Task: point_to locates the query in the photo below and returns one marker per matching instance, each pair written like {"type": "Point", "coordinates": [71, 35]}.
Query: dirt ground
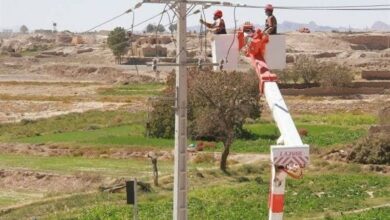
{"type": "Point", "coordinates": [315, 105]}
{"type": "Point", "coordinates": [15, 111]}
{"type": "Point", "coordinates": [48, 182]}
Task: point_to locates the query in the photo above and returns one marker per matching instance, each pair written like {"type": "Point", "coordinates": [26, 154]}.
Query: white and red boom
{"type": "Point", "coordinates": [290, 156]}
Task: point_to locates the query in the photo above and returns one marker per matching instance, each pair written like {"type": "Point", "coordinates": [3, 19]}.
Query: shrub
{"type": "Point", "coordinates": [334, 75]}
{"type": "Point", "coordinates": [306, 68]}
{"type": "Point", "coordinates": [374, 149]}
{"type": "Point", "coordinates": [161, 122]}
{"type": "Point", "coordinates": [384, 114]}
{"type": "Point", "coordinates": [203, 158]}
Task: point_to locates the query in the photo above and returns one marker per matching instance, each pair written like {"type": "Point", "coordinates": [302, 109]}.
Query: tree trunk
{"type": "Point", "coordinates": [224, 157]}
{"type": "Point", "coordinates": [153, 159]}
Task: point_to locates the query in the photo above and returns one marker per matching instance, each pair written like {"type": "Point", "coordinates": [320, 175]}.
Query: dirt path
{"type": "Point", "coordinates": [15, 111]}
{"type": "Point", "coordinates": [56, 150]}
{"type": "Point", "coordinates": [335, 214]}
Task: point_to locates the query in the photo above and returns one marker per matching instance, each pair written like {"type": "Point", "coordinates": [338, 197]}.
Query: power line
{"type": "Point", "coordinates": [108, 21]}
{"type": "Point", "coordinates": [234, 36]}
{"type": "Point", "coordinates": [340, 6]}
{"type": "Point", "coordinates": [336, 9]}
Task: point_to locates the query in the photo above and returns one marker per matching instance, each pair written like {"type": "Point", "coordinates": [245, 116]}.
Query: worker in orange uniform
{"type": "Point", "coordinates": [218, 27]}
{"type": "Point", "coordinates": [271, 22]}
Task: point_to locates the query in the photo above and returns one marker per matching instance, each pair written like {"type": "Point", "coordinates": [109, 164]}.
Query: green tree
{"type": "Point", "coordinates": [118, 42]}
{"type": "Point", "coordinates": [173, 27]}
{"type": "Point", "coordinates": [160, 28]}
{"type": "Point", "coordinates": [219, 103]}
{"type": "Point", "coordinates": [150, 28]}
{"type": "Point", "coordinates": [23, 29]}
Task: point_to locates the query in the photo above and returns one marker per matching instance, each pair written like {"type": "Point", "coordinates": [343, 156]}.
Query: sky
{"type": "Point", "coordinates": [81, 15]}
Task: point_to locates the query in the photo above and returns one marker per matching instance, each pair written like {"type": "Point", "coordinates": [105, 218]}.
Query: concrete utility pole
{"type": "Point", "coordinates": [180, 175]}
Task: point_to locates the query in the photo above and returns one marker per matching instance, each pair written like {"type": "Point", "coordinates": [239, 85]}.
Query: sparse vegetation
{"type": "Point", "coordinates": [151, 28]}
{"type": "Point", "coordinates": [311, 72]}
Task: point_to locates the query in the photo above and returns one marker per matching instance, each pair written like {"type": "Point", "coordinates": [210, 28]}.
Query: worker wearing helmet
{"type": "Point", "coordinates": [270, 22]}
{"type": "Point", "coordinates": [218, 27]}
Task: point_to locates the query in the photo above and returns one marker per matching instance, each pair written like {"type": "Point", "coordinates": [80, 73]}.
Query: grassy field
{"type": "Point", "coordinates": [124, 129]}
{"type": "Point", "coordinates": [149, 89]}
{"type": "Point", "coordinates": [218, 196]}
{"type": "Point", "coordinates": [328, 188]}
{"type": "Point", "coordinates": [71, 165]}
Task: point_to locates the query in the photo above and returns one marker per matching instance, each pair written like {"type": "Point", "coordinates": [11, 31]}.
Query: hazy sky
{"type": "Point", "coordinates": [80, 15]}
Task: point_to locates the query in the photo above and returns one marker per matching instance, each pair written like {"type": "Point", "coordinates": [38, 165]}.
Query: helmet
{"type": "Point", "coordinates": [248, 26]}
{"type": "Point", "coordinates": [218, 13]}
{"type": "Point", "coordinates": [269, 7]}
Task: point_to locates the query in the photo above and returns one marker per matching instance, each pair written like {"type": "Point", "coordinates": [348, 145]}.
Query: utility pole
{"type": "Point", "coordinates": [180, 173]}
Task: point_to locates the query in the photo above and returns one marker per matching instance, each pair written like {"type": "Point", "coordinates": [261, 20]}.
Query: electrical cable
{"type": "Point", "coordinates": [171, 27]}
{"type": "Point", "coordinates": [234, 37]}
{"type": "Point", "coordinates": [157, 29]}
{"type": "Point", "coordinates": [205, 33]}
{"type": "Point", "coordinates": [108, 21]}
{"type": "Point", "coordinates": [132, 32]}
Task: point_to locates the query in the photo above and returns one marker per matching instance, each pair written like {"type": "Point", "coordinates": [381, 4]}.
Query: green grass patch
{"type": "Point", "coordinates": [321, 135]}
{"type": "Point", "coordinates": [148, 89]}
{"type": "Point", "coordinates": [108, 167]}
{"type": "Point", "coordinates": [86, 121]}
{"type": "Point", "coordinates": [126, 135]}
{"type": "Point", "coordinates": [339, 119]}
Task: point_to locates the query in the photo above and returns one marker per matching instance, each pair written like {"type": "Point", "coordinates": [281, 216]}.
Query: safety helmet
{"type": "Point", "coordinates": [248, 27]}
{"type": "Point", "coordinates": [269, 7]}
{"type": "Point", "coordinates": [218, 14]}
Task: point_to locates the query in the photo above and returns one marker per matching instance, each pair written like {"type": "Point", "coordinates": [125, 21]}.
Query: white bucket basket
{"type": "Point", "coordinates": [220, 49]}
{"type": "Point", "coordinates": [275, 54]}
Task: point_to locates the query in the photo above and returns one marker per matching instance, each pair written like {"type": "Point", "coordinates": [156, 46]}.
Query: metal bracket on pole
{"type": "Point", "coordinates": [221, 65]}
{"type": "Point", "coordinates": [200, 63]}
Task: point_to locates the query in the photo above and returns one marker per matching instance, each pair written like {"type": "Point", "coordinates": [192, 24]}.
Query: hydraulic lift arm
{"type": "Point", "coordinates": [290, 156]}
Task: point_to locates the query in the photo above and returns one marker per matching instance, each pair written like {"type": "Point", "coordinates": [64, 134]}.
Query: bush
{"type": "Point", "coordinates": [334, 75]}
{"type": "Point", "coordinates": [374, 149]}
{"type": "Point", "coordinates": [308, 70]}
{"type": "Point", "coordinates": [161, 122]}
{"type": "Point", "coordinates": [384, 115]}
{"type": "Point", "coordinates": [151, 28]}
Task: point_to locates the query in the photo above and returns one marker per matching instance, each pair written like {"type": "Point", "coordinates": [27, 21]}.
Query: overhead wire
{"type": "Point", "coordinates": [205, 32]}
{"type": "Point", "coordinates": [132, 33]}
{"type": "Point", "coordinates": [171, 26]}
{"type": "Point", "coordinates": [157, 28]}
{"type": "Point", "coordinates": [108, 21]}
{"type": "Point", "coordinates": [234, 36]}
